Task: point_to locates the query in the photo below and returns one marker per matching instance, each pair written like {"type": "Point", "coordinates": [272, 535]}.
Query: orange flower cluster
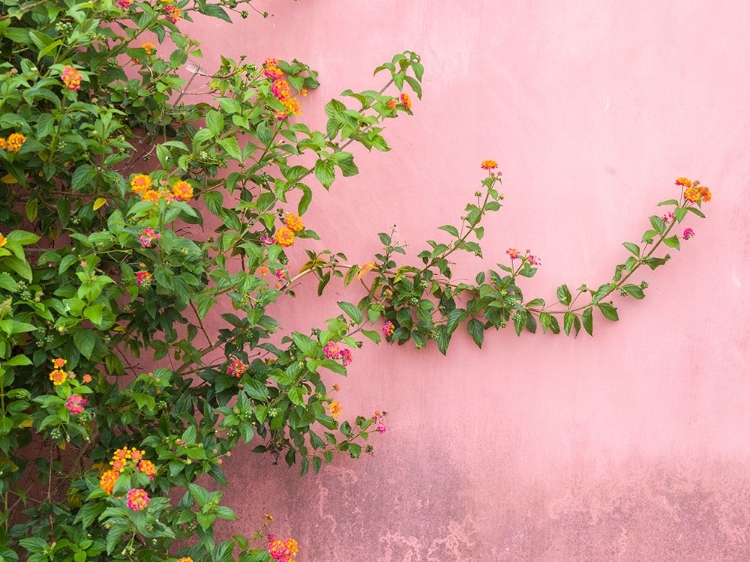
{"type": "Point", "coordinates": [126, 460]}
{"type": "Point", "coordinates": [13, 143]}
{"type": "Point", "coordinates": [71, 78]}
{"type": "Point", "coordinates": [695, 194]}
{"type": "Point", "coordinates": [283, 551]}
{"type": "Point", "coordinates": [142, 185]}
{"type": "Point", "coordinates": [335, 409]}
{"type": "Point", "coordinates": [149, 47]}
{"type": "Point", "coordinates": [58, 376]}
{"type": "Point", "coordinates": [281, 90]}
{"type": "Point", "coordinates": [3, 240]}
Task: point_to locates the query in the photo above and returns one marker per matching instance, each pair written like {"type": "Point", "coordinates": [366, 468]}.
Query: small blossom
{"type": "Point", "coordinates": [705, 194]}
{"type": "Point", "coordinates": [124, 4]}
{"type": "Point", "coordinates": [346, 356]}
{"type": "Point", "coordinates": [148, 468]}
{"type": "Point", "coordinates": [388, 328]}
{"type": "Point", "coordinates": [406, 100]}
{"type": "Point", "coordinates": [284, 236]}
{"type": "Point", "coordinates": [136, 455]}
{"type": "Point", "coordinates": [513, 253]}
{"type": "Point", "coordinates": [149, 47]}
{"type": "Point", "coordinates": [172, 13]}
{"type": "Point", "coordinates": [391, 104]}
{"type": "Point", "coordinates": [140, 183]}
{"type": "Point", "coordinates": [182, 190]}
{"type": "Point", "coordinates": [335, 409]}
{"type": "Point", "coordinates": [148, 236]}
{"type": "Point", "coordinates": [122, 454]}
{"type": "Point", "coordinates": [108, 479]}
{"type": "Point", "coordinates": [14, 143]}
{"type": "Point", "coordinates": [75, 404]}
{"type": "Point", "coordinates": [86, 378]}
{"type": "Point", "coordinates": [150, 195]}
{"type": "Point", "coordinates": [489, 164]}
{"type": "Point", "coordinates": [693, 194]}
{"type": "Point", "coordinates": [263, 271]}
{"type": "Point", "coordinates": [265, 239]}
{"type": "Point", "coordinates": [335, 388]}
{"type": "Point", "coordinates": [331, 350]}
{"type": "Point", "coordinates": [669, 217]}
{"type": "Point", "coordinates": [143, 277]}
{"type": "Point", "coordinates": [294, 222]}
{"type": "Point", "coordinates": [71, 78]}
{"type": "Point", "coordinates": [137, 499]}
{"type": "Point", "coordinates": [684, 182]}
{"type": "Point", "coordinates": [688, 234]}
{"type": "Point", "coordinates": [58, 377]}
{"type": "Point", "coordinates": [380, 426]}
{"type": "Point", "coordinates": [236, 368]}
{"type": "Point", "coordinates": [59, 363]}
{"type": "Point", "coordinates": [270, 70]}
{"type": "Point", "coordinates": [533, 260]}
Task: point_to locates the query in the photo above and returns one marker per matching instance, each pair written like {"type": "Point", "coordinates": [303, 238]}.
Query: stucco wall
{"type": "Point", "coordinates": [633, 445]}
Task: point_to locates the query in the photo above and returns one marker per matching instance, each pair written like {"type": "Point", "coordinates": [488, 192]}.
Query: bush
{"type": "Point", "coordinates": [133, 220]}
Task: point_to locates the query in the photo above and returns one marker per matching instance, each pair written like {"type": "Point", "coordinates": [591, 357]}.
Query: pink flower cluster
{"type": "Point", "coordinates": [148, 236]}
{"type": "Point", "coordinates": [380, 422]}
{"type": "Point", "coordinates": [283, 551]}
{"type": "Point", "coordinates": [236, 368]}
{"type": "Point", "coordinates": [333, 351]}
{"type": "Point", "coordinates": [688, 234]}
{"type": "Point", "coordinates": [137, 499]}
{"type": "Point", "coordinates": [388, 328]}
{"type": "Point", "coordinates": [75, 404]}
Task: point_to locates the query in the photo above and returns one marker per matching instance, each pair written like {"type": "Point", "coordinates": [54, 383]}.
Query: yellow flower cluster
{"type": "Point", "coordinates": [13, 143]}
{"type": "Point", "coordinates": [142, 185]}
{"type": "Point", "coordinates": [122, 460]}
{"type": "Point", "coordinates": [58, 376]}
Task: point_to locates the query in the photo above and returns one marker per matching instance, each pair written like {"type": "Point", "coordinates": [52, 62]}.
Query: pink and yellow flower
{"type": "Point", "coordinates": [71, 78]}
{"type": "Point", "coordinates": [58, 377]}
{"type": "Point", "coordinates": [294, 222]}
{"type": "Point", "coordinates": [108, 479]}
{"type": "Point", "coordinates": [148, 468]}
{"type": "Point", "coordinates": [75, 404]}
{"type": "Point", "coordinates": [236, 368]}
{"type": "Point", "coordinates": [346, 356]}
{"type": "Point", "coordinates": [143, 277]}
{"type": "Point", "coordinates": [489, 164]}
{"type": "Point", "coordinates": [335, 409]}
{"type": "Point", "coordinates": [684, 182]}
{"type": "Point", "coordinates": [284, 236]}
{"type": "Point", "coordinates": [513, 253]}
{"type": "Point", "coordinates": [13, 143]}
{"type": "Point", "coordinates": [182, 190]}
{"type": "Point", "coordinates": [150, 195]}
{"type": "Point", "coordinates": [388, 328]}
{"type": "Point", "coordinates": [172, 13]}
{"type": "Point", "coordinates": [148, 236]}
{"type": "Point", "coordinates": [331, 350]}
{"type": "Point", "coordinates": [137, 499]}
{"type": "Point", "coordinates": [406, 100]}
{"type": "Point", "coordinates": [141, 183]}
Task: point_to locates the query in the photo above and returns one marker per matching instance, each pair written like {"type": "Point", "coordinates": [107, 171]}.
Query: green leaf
{"type": "Point", "coordinates": [658, 224]}
{"type": "Point", "coordinates": [351, 311]}
{"type": "Point", "coordinates": [696, 212]}
{"type": "Point", "coordinates": [669, 202]}
{"type": "Point", "coordinates": [296, 396]}
{"type": "Point", "coordinates": [564, 296]}
{"type": "Point", "coordinates": [449, 229]}
{"type": "Point", "coordinates": [680, 213]}
{"type": "Point", "coordinates": [588, 321]}
{"type": "Point", "coordinates": [634, 291]}
{"type": "Point", "coordinates": [608, 311]}
{"type": "Point", "coordinates": [632, 248]}
{"type": "Point", "coordinates": [672, 242]}
{"type": "Point", "coordinates": [215, 122]}
{"type": "Point", "coordinates": [22, 237]}
{"type": "Point", "coordinates": [325, 171]}
{"type": "Point", "coordinates": [85, 341]}
{"type": "Point", "coordinates": [476, 331]}
{"type": "Point", "coordinates": [568, 322]}
{"type": "Point", "coordinates": [82, 177]}
{"type": "Point", "coordinates": [214, 10]}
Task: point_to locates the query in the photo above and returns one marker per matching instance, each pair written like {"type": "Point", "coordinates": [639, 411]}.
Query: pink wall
{"type": "Point", "coordinates": [633, 445]}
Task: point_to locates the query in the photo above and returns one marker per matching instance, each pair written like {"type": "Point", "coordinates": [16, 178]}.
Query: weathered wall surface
{"type": "Point", "coordinates": [633, 445]}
